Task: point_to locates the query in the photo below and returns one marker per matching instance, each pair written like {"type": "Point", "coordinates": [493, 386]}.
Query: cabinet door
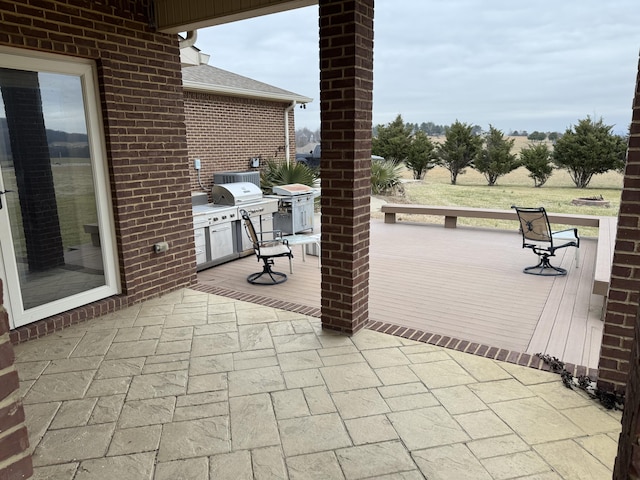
{"type": "Point", "coordinates": [221, 240]}
{"type": "Point", "coordinates": [201, 245]}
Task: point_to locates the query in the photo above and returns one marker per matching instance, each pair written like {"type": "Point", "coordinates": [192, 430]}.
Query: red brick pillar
{"type": "Point", "coordinates": [346, 93]}
{"type": "Point", "coordinates": [627, 465]}
{"type": "Point", "coordinates": [618, 366]}
{"type": "Point", "coordinates": [622, 302]}
{"type": "Point", "coordinates": [15, 460]}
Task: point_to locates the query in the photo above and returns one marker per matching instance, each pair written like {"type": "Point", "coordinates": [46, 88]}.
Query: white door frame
{"type": "Point", "coordinates": [86, 71]}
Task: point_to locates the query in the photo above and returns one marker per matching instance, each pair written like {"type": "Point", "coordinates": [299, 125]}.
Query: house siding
{"type": "Point", "coordinates": [141, 100]}
{"type": "Point", "coordinates": [226, 132]}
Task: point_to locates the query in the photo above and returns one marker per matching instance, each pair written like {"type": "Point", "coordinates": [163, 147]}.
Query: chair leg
{"type": "Point", "coordinates": [267, 276]}
{"type": "Point", "coordinates": [545, 268]}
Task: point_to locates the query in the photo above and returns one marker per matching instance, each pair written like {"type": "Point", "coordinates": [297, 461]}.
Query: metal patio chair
{"type": "Point", "coordinates": [538, 236]}
{"type": "Point", "coordinates": [266, 251]}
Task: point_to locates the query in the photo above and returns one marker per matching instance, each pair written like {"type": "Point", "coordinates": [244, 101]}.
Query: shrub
{"type": "Point", "coordinates": [537, 159]}
{"type": "Point", "coordinates": [460, 149]}
{"type": "Point", "coordinates": [495, 158]}
{"type": "Point", "coordinates": [589, 148]}
{"type": "Point", "coordinates": [385, 176]}
{"type": "Point", "coordinates": [392, 140]}
{"type": "Point", "coordinates": [422, 155]}
{"type": "Point", "coordinates": [281, 173]}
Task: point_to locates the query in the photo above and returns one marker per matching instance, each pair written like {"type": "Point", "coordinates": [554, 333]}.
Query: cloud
{"type": "Point", "coordinates": [534, 66]}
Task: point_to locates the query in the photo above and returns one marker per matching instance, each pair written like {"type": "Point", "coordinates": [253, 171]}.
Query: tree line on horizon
{"type": "Point", "coordinates": [434, 130]}
{"type": "Point", "coordinates": [305, 136]}
{"type": "Point", "coordinates": [584, 150]}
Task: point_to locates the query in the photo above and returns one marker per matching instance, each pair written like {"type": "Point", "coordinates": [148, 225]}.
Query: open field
{"type": "Point", "coordinates": [515, 188]}
{"type": "Point", "coordinates": [75, 199]}
{"type": "Point", "coordinates": [518, 142]}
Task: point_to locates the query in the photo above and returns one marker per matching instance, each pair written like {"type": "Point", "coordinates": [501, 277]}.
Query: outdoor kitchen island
{"type": "Point", "coordinates": [218, 226]}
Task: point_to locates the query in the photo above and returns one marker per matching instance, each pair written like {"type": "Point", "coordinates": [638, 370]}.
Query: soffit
{"type": "Point", "coordinates": [174, 16]}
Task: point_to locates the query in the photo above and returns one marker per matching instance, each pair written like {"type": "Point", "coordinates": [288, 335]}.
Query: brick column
{"type": "Point", "coordinates": [15, 459]}
{"type": "Point", "coordinates": [346, 92]}
{"type": "Point", "coordinates": [622, 301]}
{"type": "Point", "coordinates": [627, 466]}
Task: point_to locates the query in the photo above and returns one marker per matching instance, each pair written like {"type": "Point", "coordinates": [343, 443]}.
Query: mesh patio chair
{"type": "Point", "coordinates": [538, 236]}
{"type": "Point", "coordinates": [266, 251]}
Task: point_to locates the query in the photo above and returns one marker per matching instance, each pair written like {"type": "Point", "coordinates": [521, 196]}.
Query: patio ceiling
{"type": "Point", "coordinates": [175, 16]}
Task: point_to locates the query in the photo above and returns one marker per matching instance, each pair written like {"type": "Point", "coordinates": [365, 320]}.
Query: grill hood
{"type": "Point", "coordinates": [238, 193]}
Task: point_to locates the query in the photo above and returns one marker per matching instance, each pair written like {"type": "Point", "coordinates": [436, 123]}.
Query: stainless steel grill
{"type": "Point", "coordinates": [239, 193]}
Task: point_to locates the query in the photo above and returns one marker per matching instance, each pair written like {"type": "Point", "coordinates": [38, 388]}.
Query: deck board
{"type": "Point", "coordinates": [465, 283]}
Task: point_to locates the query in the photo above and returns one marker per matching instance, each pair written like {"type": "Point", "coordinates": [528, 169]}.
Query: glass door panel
{"type": "Point", "coordinates": [52, 233]}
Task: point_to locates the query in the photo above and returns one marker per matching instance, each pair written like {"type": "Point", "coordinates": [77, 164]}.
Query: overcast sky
{"type": "Point", "coordinates": [537, 65]}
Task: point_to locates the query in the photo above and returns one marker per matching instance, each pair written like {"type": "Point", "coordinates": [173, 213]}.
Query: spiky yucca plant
{"type": "Point", "coordinates": [279, 173]}
{"type": "Point", "coordinates": [385, 176]}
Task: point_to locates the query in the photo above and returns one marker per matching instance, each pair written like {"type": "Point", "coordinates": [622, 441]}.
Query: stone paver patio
{"type": "Point", "coordinates": [198, 386]}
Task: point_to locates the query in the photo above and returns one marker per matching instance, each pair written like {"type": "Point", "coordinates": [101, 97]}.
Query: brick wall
{"type": "Point", "coordinates": [346, 89]}
{"type": "Point", "coordinates": [142, 108]}
{"type": "Point", "coordinates": [622, 302]}
{"type": "Point", "coordinates": [15, 460]}
{"type": "Point", "coordinates": [627, 466]}
{"type": "Point", "coordinates": [225, 132]}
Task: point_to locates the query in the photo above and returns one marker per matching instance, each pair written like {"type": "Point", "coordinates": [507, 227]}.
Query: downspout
{"type": "Point", "coordinates": [192, 35]}
{"type": "Point", "coordinates": [286, 130]}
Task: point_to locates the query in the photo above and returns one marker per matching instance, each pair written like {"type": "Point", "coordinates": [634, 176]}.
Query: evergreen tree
{"type": "Point", "coordinates": [422, 155]}
{"type": "Point", "coordinates": [392, 141]}
{"type": "Point", "coordinates": [459, 150]}
{"type": "Point", "coordinates": [537, 136]}
{"type": "Point", "coordinates": [589, 148]}
{"type": "Point", "coordinates": [537, 159]}
{"type": "Point", "coordinates": [496, 159]}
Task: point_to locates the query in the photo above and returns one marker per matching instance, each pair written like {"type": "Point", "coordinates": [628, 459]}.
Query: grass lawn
{"type": "Point", "coordinates": [515, 188]}
{"type": "Point", "coordinates": [75, 201]}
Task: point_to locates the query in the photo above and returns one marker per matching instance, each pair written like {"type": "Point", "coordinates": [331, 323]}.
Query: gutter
{"type": "Point", "coordinates": [192, 36]}
{"type": "Point", "coordinates": [286, 130]}
{"type": "Point", "coordinates": [243, 92]}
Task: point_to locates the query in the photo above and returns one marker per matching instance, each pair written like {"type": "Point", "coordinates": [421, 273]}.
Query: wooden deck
{"type": "Point", "coordinates": [466, 283]}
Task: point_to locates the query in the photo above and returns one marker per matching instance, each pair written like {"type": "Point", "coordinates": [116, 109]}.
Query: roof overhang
{"type": "Point", "coordinates": [243, 92]}
{"type": "Point", "coordinates": [175, 16]}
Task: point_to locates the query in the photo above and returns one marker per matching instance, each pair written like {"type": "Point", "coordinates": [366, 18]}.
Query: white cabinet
{"type": "Point", "coordinates": [200, 223]}
{"type": "Point", "coordinates": [221, 240]}
{"type": "Point", "coordinates": [295, 214]}
{"type": "Point", "coordinates": [201, 245]}
{"type": "Point", "coordinates": [213, 234]}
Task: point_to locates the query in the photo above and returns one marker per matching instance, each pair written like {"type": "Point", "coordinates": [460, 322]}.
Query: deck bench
{"type": "Point", "coordinates": [607, 230]}
{"type": "Point", "coordinates": [607, 227]}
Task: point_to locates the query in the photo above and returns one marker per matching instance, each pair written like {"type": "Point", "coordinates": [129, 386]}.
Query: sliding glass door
{"type": "Point", "coordinates": [56, 231]}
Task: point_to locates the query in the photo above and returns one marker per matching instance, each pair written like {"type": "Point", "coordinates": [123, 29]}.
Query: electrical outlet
{"type": "Point", "coordinates": [196, 164]}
